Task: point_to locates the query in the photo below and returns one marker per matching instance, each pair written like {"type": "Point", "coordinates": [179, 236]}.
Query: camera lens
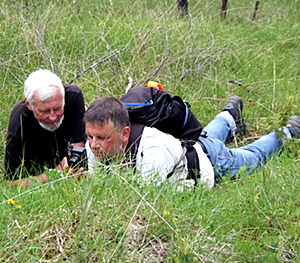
{"type": "Point", "coordinates": [76, 156]}
{"type": "Point", "coordinates": [74, 160]}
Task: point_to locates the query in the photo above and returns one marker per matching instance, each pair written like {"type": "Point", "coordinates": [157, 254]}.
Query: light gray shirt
{"type": "Point", "coordinates": [158, 154]}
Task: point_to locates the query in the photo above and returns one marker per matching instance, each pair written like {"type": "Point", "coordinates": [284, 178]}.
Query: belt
{"type": "Point", "coordinates": [203, 147]}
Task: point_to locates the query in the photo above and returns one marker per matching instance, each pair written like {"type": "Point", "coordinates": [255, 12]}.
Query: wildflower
{"type": "Point", "coordinates": [174, 219]}
{"type": "Point", "coordinates": [18, 206]}
{"type": "Point", "coordinates": [167, 213]}
{"type": "Point", "coordinates": [11, 201]}
{"type": "Point", "coordinates": [45, 207]}
{"type": "Point", "coordinates": [257, 197]}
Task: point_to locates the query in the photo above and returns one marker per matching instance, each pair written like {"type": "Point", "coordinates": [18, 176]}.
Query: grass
{"type": "Point", "coordinates": [110, 217]}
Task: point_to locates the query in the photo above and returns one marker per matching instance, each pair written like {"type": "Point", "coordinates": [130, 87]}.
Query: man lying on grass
{"type": "Point", "coordinates": [159, 156]}
{"type": "Point", "coordinates": [41, 126]}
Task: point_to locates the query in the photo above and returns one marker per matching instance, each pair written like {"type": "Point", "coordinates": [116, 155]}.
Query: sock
{"type": "Point", "coordinates": [231, 112]}
{"type": "Point", "coordinates": [291, 131]}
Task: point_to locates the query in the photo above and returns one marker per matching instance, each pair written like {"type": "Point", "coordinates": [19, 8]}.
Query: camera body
{"type": "Point", "coordinates": [77, 157]}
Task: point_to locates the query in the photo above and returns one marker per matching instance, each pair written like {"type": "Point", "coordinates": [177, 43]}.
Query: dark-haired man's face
{"type": "Point", "coordinates": [105, 141]}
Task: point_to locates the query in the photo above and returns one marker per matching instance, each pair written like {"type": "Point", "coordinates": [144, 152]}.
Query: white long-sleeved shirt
{"type": "Point", "coordinates": [158, 154]}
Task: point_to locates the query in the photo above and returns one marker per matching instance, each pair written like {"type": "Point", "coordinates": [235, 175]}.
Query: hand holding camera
{"type": "Point", "coordinates": [75, 163]}
{"type": "Point", "coordinates": [77, 157]}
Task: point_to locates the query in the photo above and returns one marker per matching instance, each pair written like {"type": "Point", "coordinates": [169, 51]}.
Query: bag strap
{"type": "Point", "coordinates": [189, 151]}
{"type": "Point", "coordinates": [132, 147]}
{"type": "Point", "coordinates": [192, 161]}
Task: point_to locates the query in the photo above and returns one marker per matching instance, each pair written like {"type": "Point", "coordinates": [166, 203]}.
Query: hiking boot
{"type": "Point", "coordinates": [293, 125]}
{"type": "Point", "coordinates": [235, 107]}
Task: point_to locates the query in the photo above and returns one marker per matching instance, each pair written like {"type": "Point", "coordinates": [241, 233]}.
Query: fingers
{"type": "Point", "coordinates": [66, 168]}
{"type": "Point", "coordinates": [63, 165]}
{"type": "Point", "coordinates": [64, 161]}
{"type": "Point", "coordinates": [80, 175]}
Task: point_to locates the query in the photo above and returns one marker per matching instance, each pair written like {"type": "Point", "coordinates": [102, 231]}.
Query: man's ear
{"type": "Point", "coordinates": [27, 104]}
{"type": "Point", "coordinates": [125, 135]}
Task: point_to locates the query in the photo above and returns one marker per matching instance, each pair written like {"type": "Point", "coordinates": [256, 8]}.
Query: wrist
{"type": "Point", "coordinates": [60, 172]}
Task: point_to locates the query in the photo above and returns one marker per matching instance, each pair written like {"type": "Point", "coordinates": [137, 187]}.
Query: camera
{"type": "Point", "coordinates": [77, 157]}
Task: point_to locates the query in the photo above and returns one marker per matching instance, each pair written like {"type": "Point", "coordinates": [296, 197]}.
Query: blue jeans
{"type": "Point", "coordinates": [228, 162]}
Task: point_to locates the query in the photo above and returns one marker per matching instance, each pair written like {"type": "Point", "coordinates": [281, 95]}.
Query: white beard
{"type": "Point", "coordinates": [52, 128]}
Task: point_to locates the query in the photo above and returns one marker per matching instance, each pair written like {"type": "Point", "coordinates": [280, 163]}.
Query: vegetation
{"type": "Point", "coordinates": [109, 217]}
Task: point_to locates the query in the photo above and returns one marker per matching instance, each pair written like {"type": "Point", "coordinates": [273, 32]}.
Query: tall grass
{"type": "Point", "coordinates": [204, 59]}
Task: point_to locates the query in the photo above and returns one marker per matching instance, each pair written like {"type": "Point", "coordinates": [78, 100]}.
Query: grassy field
{"type": "Point", "coordinates": [108, 217]}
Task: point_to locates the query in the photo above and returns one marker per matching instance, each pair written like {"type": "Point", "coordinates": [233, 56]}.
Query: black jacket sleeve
{"type": "Point", "coordinates": [13, 151]}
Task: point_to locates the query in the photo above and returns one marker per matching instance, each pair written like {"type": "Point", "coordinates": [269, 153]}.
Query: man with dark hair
{"type": "Point", "coordinates": [110, 141]}
{"type": "Point", "coordinates": [41, 126]}
{"type": "Point", "coordinates": [159, 156]}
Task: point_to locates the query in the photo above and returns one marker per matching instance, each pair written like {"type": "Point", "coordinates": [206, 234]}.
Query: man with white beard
{"type": "Point", "coordinates": [42, 126]}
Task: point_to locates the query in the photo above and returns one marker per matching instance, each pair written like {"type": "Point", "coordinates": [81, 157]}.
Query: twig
{"type": "Point", "coordinates": [97, 75]}
{"type": "Point", "coordinates": [20, 65]}
{"type": "Point", "coordinates": [41, 186]}
{"type": "Point", "coordinates": [205, 58]}
{"type": "Point", "coordinates": [224, 9]}
{"type": "Point", "coordinates": [196, 75]}
{"type": "Point", "coordinates": [197, 61]}
{"type": "Point", "coordinates": [42, 43]}
{"type": "Point", "coordinates": [127, 229]}
{"type": "Point", "coordinates": [33, 5]}
{"type": "Point", "coordinates": [160, 66]}
{"type": "Point", "coordinates": [199, 68]}
{"type": "Point", "coordinates": [108, 47]}
{"type": "Point", "coordinates": [162, 63]}
{"type": "Point", "coordinates": [255, 9]}
{"type": "Point", "coordinates": [17, 223]}
{"type": "Point", "coordinates": [26, 6]}
{"type": "Point", "coordinates": [199, 55]}
{"type": "Point", "coordinates": [85, 47]}
{"type": "Point", "coordinates": [183, 7]}
{"type": "Point", "coordinates": [87, 208]}
{"type": "Point", "coordinates": [146, 202]}
{"type": "Point", "coordinates": [238, 82]}
{"type": "Point", "coordinates": [284, 251]}
{"type": "Point", "coordinates": [102, 60]}
{"type": "Point", "coordinates": [11, 73]}
{"type": "Point", "coordinates": [149, 31]}
{"type": "Point", "coordinates": [143, 39]}
{"type": "Point", "coordinates": [130, 82]}
{"type": "Point", "coordinates": [187, 46]}
{"type": "Point", "coordinates": [183, 56]}
{"type": "Point", "coordinates": [252, 138]}
{"type": "Point", "coordinates": [78, 6]}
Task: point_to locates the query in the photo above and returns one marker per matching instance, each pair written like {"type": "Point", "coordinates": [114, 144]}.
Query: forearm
{"type": "Point", "coordinates": [43, 178]}
{"type": "Point", "coordinates": [23, 182]}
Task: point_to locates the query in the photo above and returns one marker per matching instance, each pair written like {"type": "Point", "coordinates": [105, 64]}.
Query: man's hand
{"type": "Point", "coordinates": [24, 182]}
{"type": "Point", "coordinates": [63, 165]}
{"type": "Point", "coordinates": [79, 173]}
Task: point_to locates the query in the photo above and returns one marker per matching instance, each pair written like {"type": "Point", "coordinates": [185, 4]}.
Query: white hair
{"type": "Point", "coordinates": [40, 83]}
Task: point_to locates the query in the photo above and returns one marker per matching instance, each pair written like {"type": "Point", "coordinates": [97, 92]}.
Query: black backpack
{"type": "Point", "coordinates": [158, 108]}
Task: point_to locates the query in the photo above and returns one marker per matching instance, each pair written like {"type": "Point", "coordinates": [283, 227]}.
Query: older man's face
{"type": "Point", "coordinates": [50, 112]}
